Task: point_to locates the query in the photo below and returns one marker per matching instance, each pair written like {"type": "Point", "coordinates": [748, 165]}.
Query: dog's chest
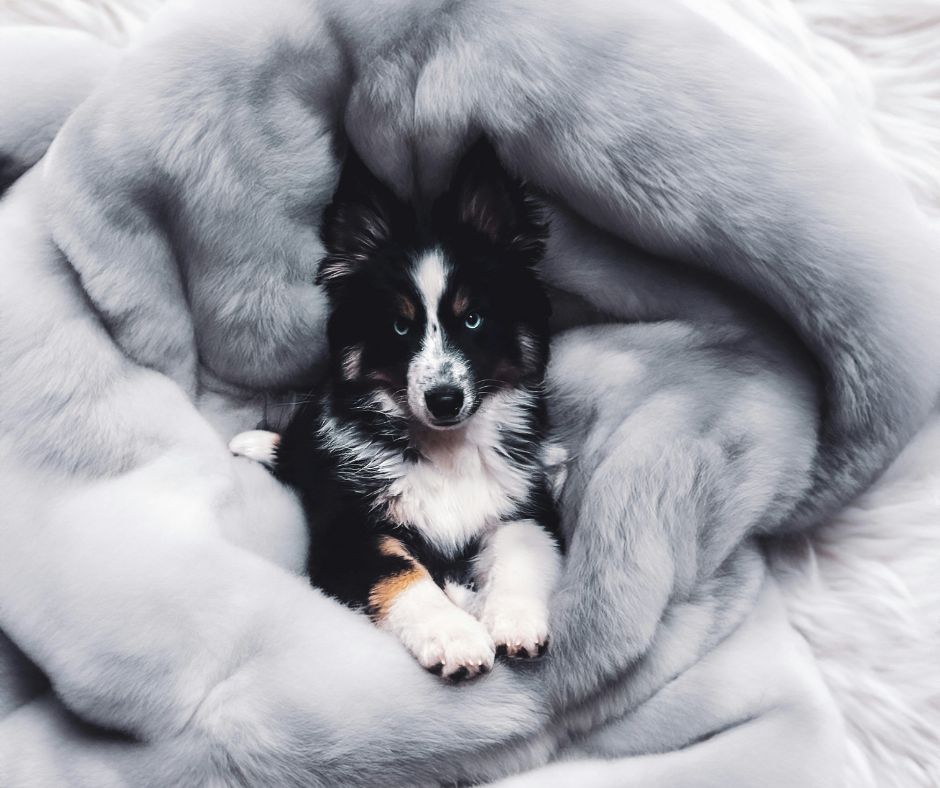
{"type": "Point", "coordinates": [457, 491]}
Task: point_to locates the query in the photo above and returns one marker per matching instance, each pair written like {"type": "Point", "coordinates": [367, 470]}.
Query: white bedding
{"type": "Point", "coordinates": [862, 589]}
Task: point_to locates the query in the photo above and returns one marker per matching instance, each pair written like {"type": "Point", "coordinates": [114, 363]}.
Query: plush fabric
{"type": "Point", "coordinates": [185, 195]}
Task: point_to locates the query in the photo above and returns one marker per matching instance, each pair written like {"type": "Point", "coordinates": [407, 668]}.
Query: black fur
{"type": "Point", "coordinates": [491, 233]}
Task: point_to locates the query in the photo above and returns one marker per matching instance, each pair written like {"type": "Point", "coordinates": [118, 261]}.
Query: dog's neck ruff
{"type": "Point", "coordinates": [450, 486]}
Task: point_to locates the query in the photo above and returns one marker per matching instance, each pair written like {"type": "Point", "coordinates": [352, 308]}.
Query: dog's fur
{"type": "Point", "coordinates": [170, 238]}
{"type": "Point", "coordinates": [440, 524]}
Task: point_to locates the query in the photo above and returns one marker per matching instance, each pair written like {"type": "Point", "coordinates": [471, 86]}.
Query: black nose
{"type": "Point", "coordinates": [444, 402]}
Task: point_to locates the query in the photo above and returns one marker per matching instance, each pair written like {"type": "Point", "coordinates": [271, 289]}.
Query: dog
{"type": "Point", "coordinates": [423, 461]}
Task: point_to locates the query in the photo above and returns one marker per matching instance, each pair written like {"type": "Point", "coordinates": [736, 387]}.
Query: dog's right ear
{"type": "Point", "coordinates": [363, 216]}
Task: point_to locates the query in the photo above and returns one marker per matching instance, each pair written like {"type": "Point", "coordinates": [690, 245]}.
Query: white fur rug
{"type": "Point", "coordinates": [863, 589]}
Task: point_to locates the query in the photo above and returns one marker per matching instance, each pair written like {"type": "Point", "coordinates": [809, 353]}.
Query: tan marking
{"type": "Point", "coordinates": [389, 545]}
{"type": "Point", "coordinates": [461, 302]}
{"type": "Point", "coordinates": [407, 308]}
{"type": "Point", "coordinates": [387, 589]}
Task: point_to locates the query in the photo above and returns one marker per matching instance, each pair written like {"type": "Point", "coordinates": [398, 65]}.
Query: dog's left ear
{"type": "Point", "coordinates": [485, 200]}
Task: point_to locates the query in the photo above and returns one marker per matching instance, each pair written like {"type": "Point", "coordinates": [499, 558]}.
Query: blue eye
{"type": "Point", "coordinates": [401, 326]}
{"type": "Point", "coordinates": [473, 320]}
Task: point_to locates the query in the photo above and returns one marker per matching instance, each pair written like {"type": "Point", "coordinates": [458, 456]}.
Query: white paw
{"type": "Point", "coordinates": [518, 626]}
{"type": "Point", "coordinates": [258, 445]}
{"type": "Point", "coordinates": [451, 643]}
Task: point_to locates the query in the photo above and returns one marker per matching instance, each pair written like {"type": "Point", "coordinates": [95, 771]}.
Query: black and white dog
{"type": "Point", "coordinates": [423, 463]}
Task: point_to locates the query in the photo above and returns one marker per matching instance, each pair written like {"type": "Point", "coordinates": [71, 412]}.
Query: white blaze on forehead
{"type": "Point", "coordinates": [434, 364]}
{"type": "Point", "coordinates": [430, 277]}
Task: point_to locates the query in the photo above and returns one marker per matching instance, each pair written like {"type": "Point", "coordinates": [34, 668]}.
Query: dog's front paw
{"type": "Point", "coordinates": [258, 445]}
{"type": "Point", "coordinates": [452, 644]}
{"type": "Point", "coordinates": [518, 626]}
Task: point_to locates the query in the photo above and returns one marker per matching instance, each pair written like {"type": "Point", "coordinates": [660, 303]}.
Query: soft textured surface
{"type": "Point", "coordinates": [863, 588]}
{"type": "Point", "coordinates": [874, 563]}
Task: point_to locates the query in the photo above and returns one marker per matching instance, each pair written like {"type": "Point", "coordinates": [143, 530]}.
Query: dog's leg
{"type": "Point", "coordinates": [443, 638]}
{"type": "Point", "coordinates": [258, 445]}
{"type": "Point", "coordinates": [518, 568]}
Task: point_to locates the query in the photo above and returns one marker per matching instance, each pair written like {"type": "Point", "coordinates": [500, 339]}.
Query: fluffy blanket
{"type": "Point", "coordinates": [779, 288]}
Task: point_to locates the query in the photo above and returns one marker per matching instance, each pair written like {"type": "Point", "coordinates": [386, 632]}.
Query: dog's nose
{"type": "Point", "coordinates": [444, 402]}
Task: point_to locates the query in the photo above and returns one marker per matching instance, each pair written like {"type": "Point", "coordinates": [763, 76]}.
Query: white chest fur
{"type": "Point", "coordinates": [463, 485]}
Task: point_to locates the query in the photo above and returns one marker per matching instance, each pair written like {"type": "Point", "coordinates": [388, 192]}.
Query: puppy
{"type": "Point", "coordinates": [422, 461]}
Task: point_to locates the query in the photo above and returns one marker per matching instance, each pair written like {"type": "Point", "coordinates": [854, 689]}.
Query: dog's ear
{"type": "Point", "coordinates": [363, 216]}
{"type": "Point", "coordinates": [487, 201]}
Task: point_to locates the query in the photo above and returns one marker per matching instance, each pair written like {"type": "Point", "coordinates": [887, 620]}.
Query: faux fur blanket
{"type": "Point", "coordinates": [763, 298]}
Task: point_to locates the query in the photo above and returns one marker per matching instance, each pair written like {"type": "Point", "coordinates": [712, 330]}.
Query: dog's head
{"type": "Point", "coordinates": [431, 316]}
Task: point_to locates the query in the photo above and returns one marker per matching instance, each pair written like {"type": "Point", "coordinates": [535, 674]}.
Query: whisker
{"type": "Point", "coordinates": [304, 401]}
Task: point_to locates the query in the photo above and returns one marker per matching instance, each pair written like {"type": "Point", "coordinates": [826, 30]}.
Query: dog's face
{"type": "Point", "coordinates": [430, 318]}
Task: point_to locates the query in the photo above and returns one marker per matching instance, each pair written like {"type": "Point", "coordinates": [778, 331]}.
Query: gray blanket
{"type": "Point", "coordinates": [747, 334]}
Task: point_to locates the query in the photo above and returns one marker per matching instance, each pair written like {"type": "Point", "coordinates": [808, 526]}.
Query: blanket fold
{"type": "Point", "coordinates": [750, 305]}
